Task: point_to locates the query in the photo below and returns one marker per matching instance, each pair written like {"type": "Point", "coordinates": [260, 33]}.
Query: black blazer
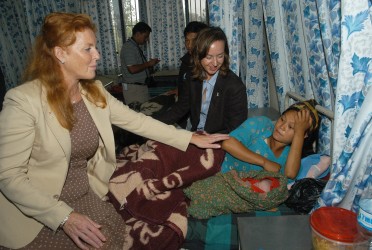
{"type": "Point", "coordinates": [227, 110]}
{"type": "Point", "coordinates": [185, 69]}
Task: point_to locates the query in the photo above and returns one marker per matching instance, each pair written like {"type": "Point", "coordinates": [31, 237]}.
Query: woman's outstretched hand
{"type": "Point", "coordinates": [83, 231]}
{"type": "Point", "coordinates": [206, 140]}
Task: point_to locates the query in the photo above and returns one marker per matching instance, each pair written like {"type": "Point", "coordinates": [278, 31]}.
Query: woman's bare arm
{"type": "Point", "coordinates": [239, 151]}
{"type": "Point", "coordinates": [302, 123]}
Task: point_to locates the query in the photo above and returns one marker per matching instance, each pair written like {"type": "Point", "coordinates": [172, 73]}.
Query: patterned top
{"type": "Point", "coordinates": [77, 193]}
{"type": "Point", "coordinates": [252, 134]}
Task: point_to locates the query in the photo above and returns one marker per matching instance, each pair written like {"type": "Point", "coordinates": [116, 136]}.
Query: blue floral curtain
{"type": "Point", "coordinates": [292, 33]}
{"type": "Point", "coordinates": [352, 154]}
{"type": "Point", "coordinates": [301, 54]}
{"type": "Point", "coordinates": [167, 21]}
{"type": "Point", "coordinates": [228, 15]}
{"type": "Point", "coordinates": [143, 10]}
{"type": "Point", "coordinates": [21, 21]}
{"type": "Point", "coordinates": [311, 52]}
{"type": "Point", "coordinates": [101, 13]}
{"type": "Point", "coordinates": [254, 65]}
{"type": "Point", "coordinates": [286, 45]}
{"type": "Point", "coordinates": [323, 41]}
{"type": "Point", "coordinates": [15, 40]}
{"type": "Point", "coordinates": [242, 21]}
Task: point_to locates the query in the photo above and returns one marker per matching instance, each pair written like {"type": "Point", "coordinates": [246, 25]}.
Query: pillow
{"type": "Point", "coordinates": [313, 166]}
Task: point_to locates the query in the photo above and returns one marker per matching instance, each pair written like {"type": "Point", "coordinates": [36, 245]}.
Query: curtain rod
{"type": "Point", "coordinates": [319, 108]}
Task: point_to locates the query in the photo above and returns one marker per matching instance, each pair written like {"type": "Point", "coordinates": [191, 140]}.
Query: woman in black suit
{"type": "Point", "coordinates": [214, 95]}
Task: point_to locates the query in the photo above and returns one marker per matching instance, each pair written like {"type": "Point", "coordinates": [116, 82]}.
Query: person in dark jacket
{"type": "Point", "coordinates": [190, 32]}
{"type": "Point", "coordinates": [214, 95]}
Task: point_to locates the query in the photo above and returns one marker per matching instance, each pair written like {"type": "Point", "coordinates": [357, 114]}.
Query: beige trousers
{"type": "Point", "coordinates": [135, 93]}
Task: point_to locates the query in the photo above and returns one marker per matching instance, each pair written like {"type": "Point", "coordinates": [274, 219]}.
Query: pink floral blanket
{"type": "Point", "coordinates": [147, 190]}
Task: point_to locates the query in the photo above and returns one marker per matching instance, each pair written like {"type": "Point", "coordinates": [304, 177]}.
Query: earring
{"type": "Point", "coordinates": [63, 62]}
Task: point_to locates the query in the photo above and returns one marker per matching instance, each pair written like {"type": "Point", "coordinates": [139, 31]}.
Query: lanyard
{"type": "Point", "coordinates": [139, 49]}
{"type": "Point", "coordinates": [141, 53]}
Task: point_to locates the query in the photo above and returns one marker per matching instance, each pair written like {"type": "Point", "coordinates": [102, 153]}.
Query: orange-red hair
{"type": "Point", "coordinates": [59, 29]}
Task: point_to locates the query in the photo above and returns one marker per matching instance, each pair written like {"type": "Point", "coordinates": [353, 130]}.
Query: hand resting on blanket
{"type": "Point", "coordinates": [206, 140]}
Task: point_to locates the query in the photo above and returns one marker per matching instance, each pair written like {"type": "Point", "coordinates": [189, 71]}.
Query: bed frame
{"type": "Point", "coordinates": [299, 98]}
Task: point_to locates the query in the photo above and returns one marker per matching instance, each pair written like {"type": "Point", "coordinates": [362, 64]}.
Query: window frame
{"type": "Point", "coordinates": [192, 4]}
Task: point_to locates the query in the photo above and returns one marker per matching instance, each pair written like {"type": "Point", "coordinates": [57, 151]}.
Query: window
{"type": "Point", "coordinates": [196, 10]}
{"type": "Point", "coordinates": [116, 24]}
{"type": "Point", "coordinates": [130, 15]}
{"type": "Point", "coordinates": [125, 13]}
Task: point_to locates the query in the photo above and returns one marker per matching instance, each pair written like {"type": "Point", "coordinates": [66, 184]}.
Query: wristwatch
{"type": "Point", "coordinates": [65, 220]}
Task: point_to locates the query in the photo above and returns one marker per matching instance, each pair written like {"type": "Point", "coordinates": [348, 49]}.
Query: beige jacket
{"type": "Point", "coordinates": [35, 153]}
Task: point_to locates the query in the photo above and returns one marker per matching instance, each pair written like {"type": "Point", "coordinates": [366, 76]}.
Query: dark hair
{"type": "Point", "coordinates": [141, 27]}
{"type": "Point", "coordinates": [202, 44]}
{"type": "Point", "coordinates": [313, 131]}
{"type": "Point", "coordinates": [194, 27]}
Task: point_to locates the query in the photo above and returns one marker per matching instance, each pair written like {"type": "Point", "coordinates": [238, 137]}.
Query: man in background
{"type": "Point", "coordinates": [190, 32]}
{"type": "Point", "coordinates": [136, 68]}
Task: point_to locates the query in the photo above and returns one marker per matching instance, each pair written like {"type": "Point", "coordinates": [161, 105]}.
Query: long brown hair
{"type": "Point", "coordinates": [59, 29]}
{"type": "Point", "coordinates": [202, 44]}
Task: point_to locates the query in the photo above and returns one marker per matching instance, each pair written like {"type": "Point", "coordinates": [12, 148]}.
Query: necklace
{"type": "Point", "coordinates": [76, 100]}
{"type": "Point", "coordinates": [75, 97]}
